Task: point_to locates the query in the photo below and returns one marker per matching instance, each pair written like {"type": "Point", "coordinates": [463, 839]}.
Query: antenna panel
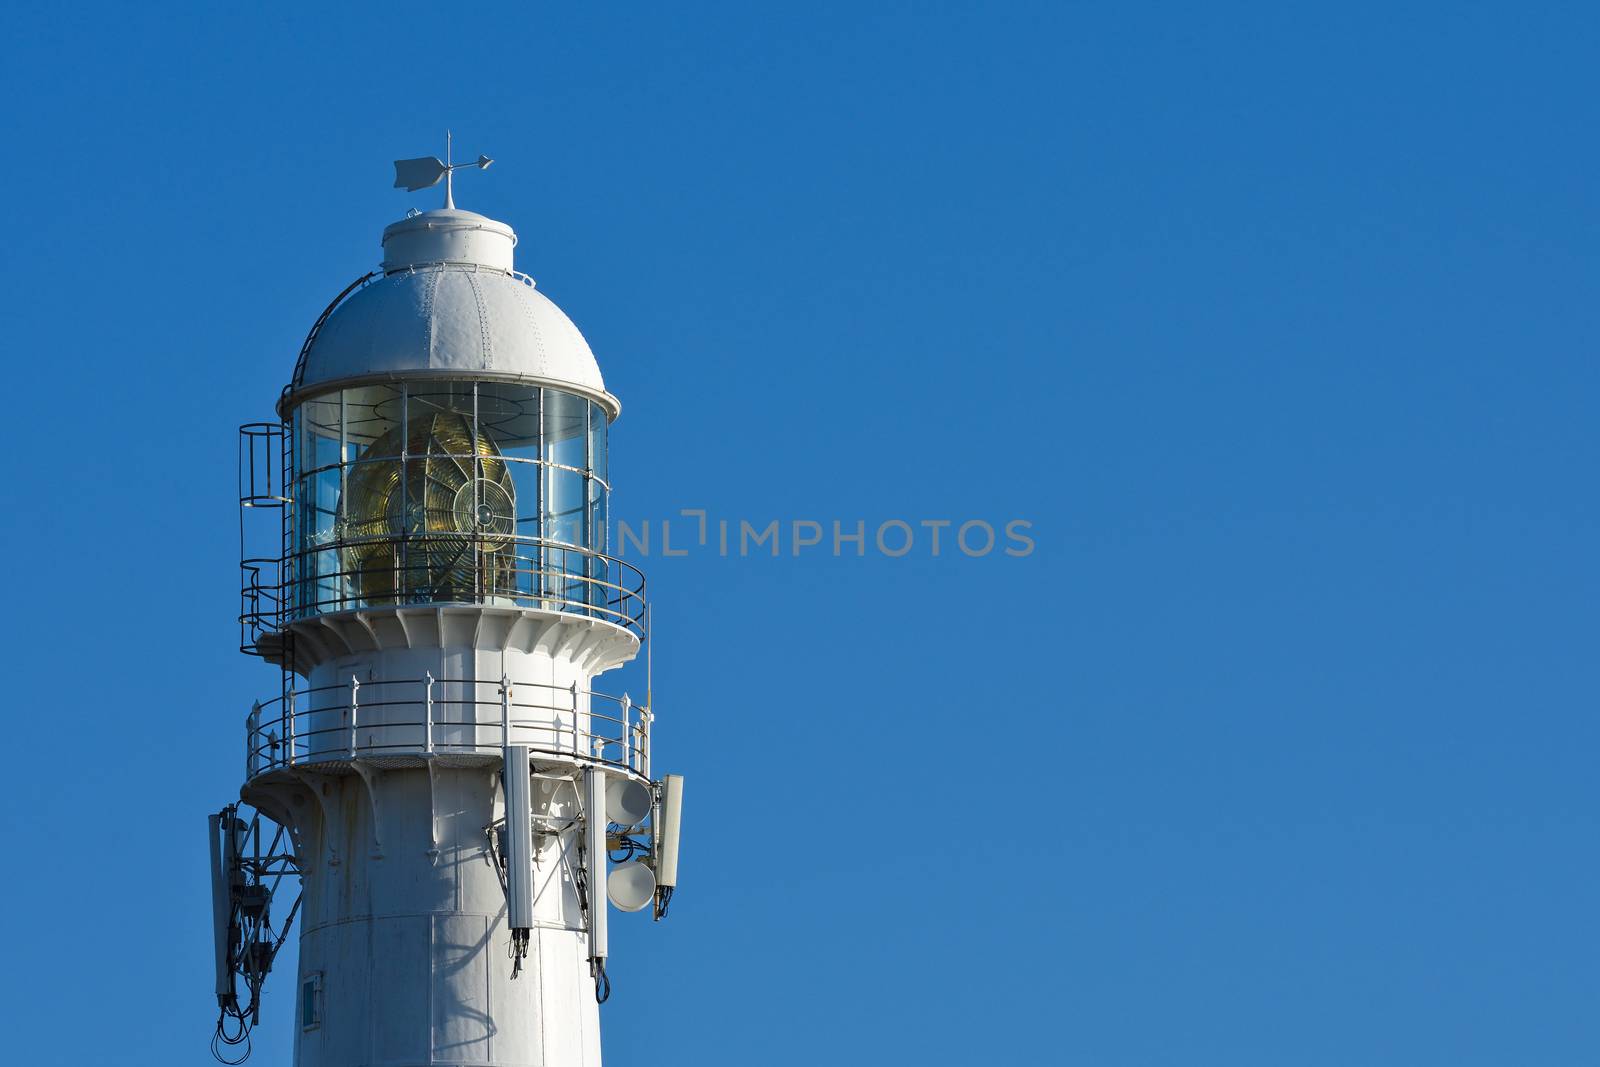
{"type": "Point", "coordinates": [221, 903]}
{"type": "Point", "coordinates": [519, 838]}
{"type": "Point", "coordinates": [594, 857]}
{"type": "Point", "coordinates": [671, 816]}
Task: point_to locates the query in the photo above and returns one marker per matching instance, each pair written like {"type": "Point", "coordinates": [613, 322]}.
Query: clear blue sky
{"type": "Point", "coordinates": [1278, 322]}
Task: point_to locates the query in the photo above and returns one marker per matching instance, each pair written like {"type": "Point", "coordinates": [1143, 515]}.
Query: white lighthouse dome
{"type": "Point", "coordinates": [449, 303]}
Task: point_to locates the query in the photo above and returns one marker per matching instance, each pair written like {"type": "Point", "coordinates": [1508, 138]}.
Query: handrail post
{"type": "Point", "coordinates": [252, 724]}
{"type": "Point", "coordinates": [505, 710]}
{"type": "Point", "coordinates": [288, 727]}
{"type": "Point", "coordinates": [627, 731]}
{"type": "Point", "coordinates": [574, 691]}
{"type": "Point", "coordinates": [355, 704]}
{"type": "Point", "coordinates": [428, 712]}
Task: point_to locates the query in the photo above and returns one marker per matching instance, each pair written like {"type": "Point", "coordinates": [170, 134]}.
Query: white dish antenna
{"type": "Point", "coordinates": [631, 886]}
{"type": "Point", "coordinates": [627, 802]}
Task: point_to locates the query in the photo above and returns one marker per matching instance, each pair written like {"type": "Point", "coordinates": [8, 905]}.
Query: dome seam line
{"type": "Point", "coordinates": [486, 345]}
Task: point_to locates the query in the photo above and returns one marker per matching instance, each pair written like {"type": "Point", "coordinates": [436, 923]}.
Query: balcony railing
{"type": "Point", "coordinates": [529, 574]}
{"type": "Point", "coordinates": [424, 717]}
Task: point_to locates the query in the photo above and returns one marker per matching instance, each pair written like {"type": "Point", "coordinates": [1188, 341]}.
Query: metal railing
{"type": "Point", "coordinates": [311, 338]}
{"type": "Point", "coordinates": [523, 571]}
{"type": "Point", "coordinates": [260, 601]}
{"type": "Point", "coordinates": [543, 577]}
{"type": "Point", "coordinates": [266, 465]}
{"type": "Point", "coordinates": [429, 716]}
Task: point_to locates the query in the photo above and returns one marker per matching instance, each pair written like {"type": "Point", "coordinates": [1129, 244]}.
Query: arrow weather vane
{"type": "Point", "coordinates": [423, 173]}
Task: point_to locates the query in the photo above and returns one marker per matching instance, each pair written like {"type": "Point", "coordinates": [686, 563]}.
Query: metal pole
{"type": "Point", "coordinates": [505, 710]}
{"type": "Point", "coordinates": [574, 692]}
{"type": "Point", "coordinates": [344, 490]}
{"type": "Point", "coordinates": [355, 690]}
{"type": "Point", "coordinates": [428, 712]}
{"type": "Point", "coordinates": [288, 725]}
{"type": "Point", "coordinates": [250, 740]}
{"type": "Point", "coordinates": [627, 732]}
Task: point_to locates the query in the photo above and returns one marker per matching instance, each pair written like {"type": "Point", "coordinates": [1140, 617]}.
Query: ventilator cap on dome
{"type": "Point", "coordinates": [447, 236]}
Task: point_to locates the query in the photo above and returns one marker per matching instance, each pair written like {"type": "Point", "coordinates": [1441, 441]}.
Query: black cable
{"type": "Point", "coordinates": [220, 1038]}
{"type": "Point", "coordinates": [254, 944]}
{"type": "Point", "coordinates": [220, 1058]}
{"type": "Point", "coordinates": [518, 951]}
{"type": "Point", "coordinates": [628, 847]}
{"type": "Point", "coordinates": [580, 882]}
{"type": "Point", "coordinates": [287, 923]}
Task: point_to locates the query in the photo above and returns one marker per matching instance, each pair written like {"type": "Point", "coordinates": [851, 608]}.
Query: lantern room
{"type": "Point", "coordinates": [446, 440]}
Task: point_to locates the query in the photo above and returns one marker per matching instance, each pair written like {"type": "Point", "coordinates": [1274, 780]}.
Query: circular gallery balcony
{"type": "Point", "coordinates": [379, 581]}
{"type": "Point", "coordinates": [406, 722]}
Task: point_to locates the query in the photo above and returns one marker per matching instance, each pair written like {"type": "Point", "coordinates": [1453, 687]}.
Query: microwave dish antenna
{"type": "Point", "coordinates": [628, 803]}
{"type": "Point", "coordinates": [631, 886]}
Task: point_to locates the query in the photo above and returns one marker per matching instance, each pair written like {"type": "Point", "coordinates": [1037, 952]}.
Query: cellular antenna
{"type": "Point", "coordinates": [425, 172]}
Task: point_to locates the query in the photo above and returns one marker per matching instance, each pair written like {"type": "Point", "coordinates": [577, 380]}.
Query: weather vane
{"type": "Point", "coordinates": [424, 173]}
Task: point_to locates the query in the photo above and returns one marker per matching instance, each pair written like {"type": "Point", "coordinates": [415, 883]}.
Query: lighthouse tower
{"type": "Point", "coordinates": [440, 777]}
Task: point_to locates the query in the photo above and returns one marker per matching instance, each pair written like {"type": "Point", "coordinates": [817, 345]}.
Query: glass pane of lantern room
{"type": "Point", "coordinates": [425, 399]}
{"type": "Point", "coordinates": [317, 442]}
{"type": "Point", "coordinates": [565, 506]}
{"type": "Point", "coordinates": [438, 491]}
{"type": "Point", "coordinates": [374, 513]}
{"type": "Point", "coordinates": [317, 503]}
{"type": "Point", "coordinates": [599, 592]}
{"type": "Point", "coordinates": [327, 588]}
{"type": "Point", "coordinates": [598, 428]}
{"type": "Point", "coordinates": [372, 422]}
{"type": "Point", "coordinates": [509, 423]}
{"type": "Point", "coordinates": [372, 501]}
{"type": "Point", "coordinates": [508, 416]}
{"type": "Point", "coordinates": [566, 444]}
{"type": "Point", "coordinates": [598, 528]}
{"type": "Point", "coordinates": [566, 428]}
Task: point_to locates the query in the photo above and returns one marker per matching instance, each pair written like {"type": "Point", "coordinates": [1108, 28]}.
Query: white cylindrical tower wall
{"type": "Point", "coordinates": [404, 930]}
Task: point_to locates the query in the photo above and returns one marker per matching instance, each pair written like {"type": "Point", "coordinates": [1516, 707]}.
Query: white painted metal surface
{"type": "Point", "coordinates": [628, 802]}
{"type": "Point", "coordinates": [405, 920]}
{"type": "Point", "coordinates": [594, 807]}
{"type": "Point", "coordinates": [448, 236]}
{"type": "Point", "coordinates": [630, 886]}
{"type": "Point", "coordinates": [668, 831]}
{"type": "Point", "coordinates": [516, 779]}
{"type": "Point", "coordinates": [450, 302]}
